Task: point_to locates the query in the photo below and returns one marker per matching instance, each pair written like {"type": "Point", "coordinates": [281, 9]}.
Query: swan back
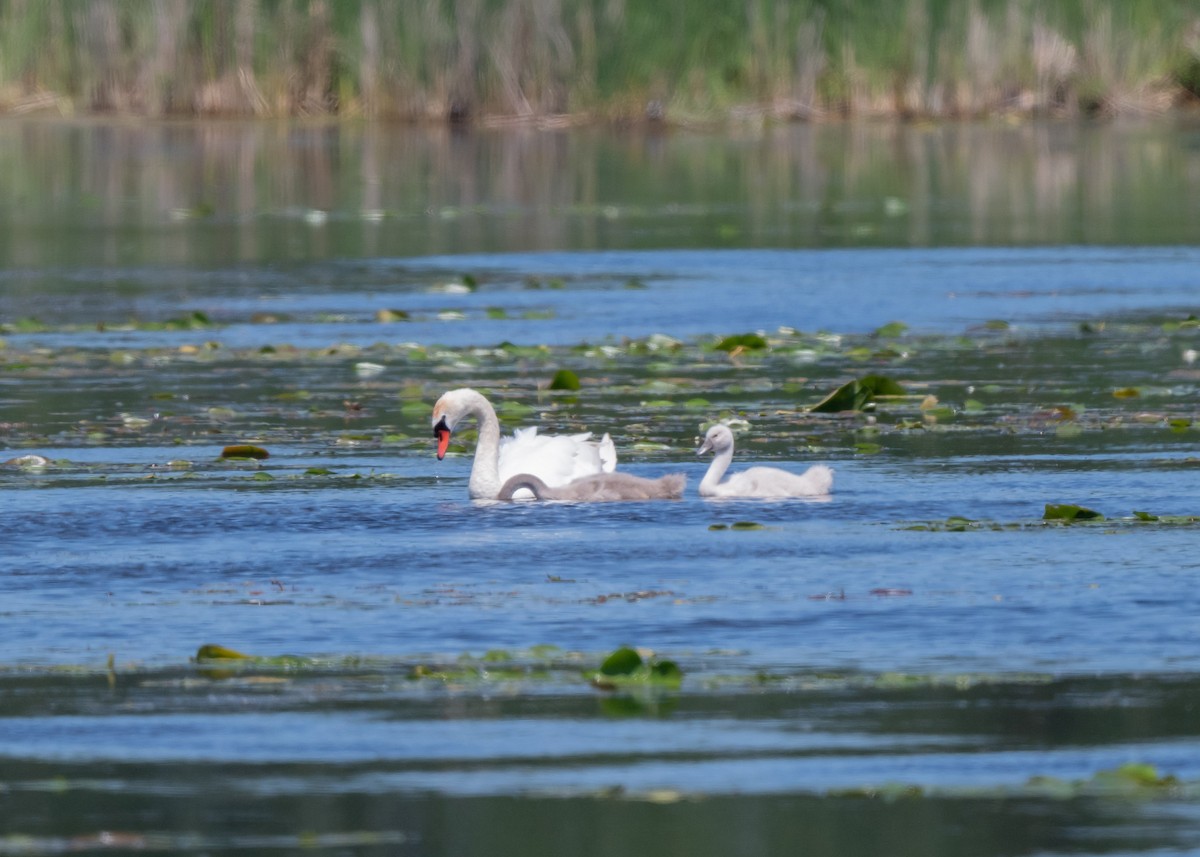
{"type": "Point", "coordinates": [599, 487]}
{"type": "Point", "coordinates": [764, 482]}
{"type": "Point", "coordinates": [776, 482]}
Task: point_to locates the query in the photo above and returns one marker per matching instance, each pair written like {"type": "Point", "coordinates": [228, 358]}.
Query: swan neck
{"type": "Point", "coordinates": [716, 470]}
{"type": "Point", "coordinates": [484, 483]}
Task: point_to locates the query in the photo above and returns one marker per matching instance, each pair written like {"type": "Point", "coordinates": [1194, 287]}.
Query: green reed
{"type": "Point", "coordinates": [618, 59]}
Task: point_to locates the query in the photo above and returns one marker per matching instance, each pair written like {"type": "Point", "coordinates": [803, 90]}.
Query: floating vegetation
{"type": "Point", "coordinates": [627, 667]}
{"type": "Point", "coordinates": [742, 342]}
{"type": "Point", "coordinates": [1070, 512]}
{"type": "Point", "coordinates": [388, 316]}
{"type": "Point", "coordinates": [564, 379]}
{"type": "Point", "coordinates": [368, 370]}
{"type": "Point", "coordinates": [243, 451]}
{"type": "Point", "coordinates": [856, 395]}
{"type": "Point", "coordinates": [29, 462]}
{"type": "Point", "coordinates": [205, 393]}
{"type": "Point", "coordinates": [214, 652]}
{"type": "Point", "coordinates": [1056, 514]}
{"type": "Point", "coordinates": [1133, 779]}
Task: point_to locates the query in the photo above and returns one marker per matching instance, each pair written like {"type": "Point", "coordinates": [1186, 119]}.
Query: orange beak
{"type": "Point", "coordinates": [442, 433]}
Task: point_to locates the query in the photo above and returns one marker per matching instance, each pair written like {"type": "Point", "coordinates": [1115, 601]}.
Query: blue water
{"type": "Point", "coordinates": [684, 293]}
{"type": "Point", "coordinates": [845, 649]}
{"type": "Point", "coordinates": [408, 564]}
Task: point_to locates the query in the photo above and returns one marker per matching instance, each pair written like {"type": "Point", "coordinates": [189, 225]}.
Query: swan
{"type": "Point", "coordinates": [756, 481]}
{"type": "Point", "coordinates": [555, 459]}
{"type": "Point", "coordinates": [598, 487]}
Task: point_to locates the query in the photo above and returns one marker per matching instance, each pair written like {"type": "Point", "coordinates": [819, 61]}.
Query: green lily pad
{"type": "Point", "coordinates": [624, 661]}
{"type": "Point", "coordinates": [1131, 777]}
{"type": "Point", "coordinates": [1070, 512]}
{"type": "Point", "coordinates": [213, 652]}
{"type": "Point", "coordinates": [857, 394]}
{"type": "Point", "coordinates": [625, 667]}
{"type": "Point", "coordinates": [564, 379]}
{"type": "Point", "coordinates": [742, 342]}
{"type": "Point", "coordinates": [511, 410]}
{"type": "Point", "coordinates": [244, 450]}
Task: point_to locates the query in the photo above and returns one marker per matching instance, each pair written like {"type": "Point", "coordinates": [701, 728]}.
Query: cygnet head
{"type": "Point", "coordinates": [717, 439]}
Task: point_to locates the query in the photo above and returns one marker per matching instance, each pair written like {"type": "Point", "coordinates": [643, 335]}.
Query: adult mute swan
{"type": "Point", "coordinates": [599, 487]}
{"type": "Point", "coordinates": [756, 481]}
{"type": "Point", "coordinates": [555, 459]}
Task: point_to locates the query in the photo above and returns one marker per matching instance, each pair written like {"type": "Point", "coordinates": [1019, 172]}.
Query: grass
{"type": "Point", "coordinates": [533, 59]}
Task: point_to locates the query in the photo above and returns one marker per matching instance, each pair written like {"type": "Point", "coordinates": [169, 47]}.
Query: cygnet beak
{"type": "Point", "coordinates": [704, 447]}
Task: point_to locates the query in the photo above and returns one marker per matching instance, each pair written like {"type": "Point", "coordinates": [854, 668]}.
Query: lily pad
{"type": "Point", "coordinates": [1070, 512]}
{"type": "Point", "coordinates": [387, 316]}
{"type": "Point", "coordinates": [512, 410]}
{"type": "Point", "coordinates": [244, 450]}
{"type": "Point", "coordinates": [564, 379]}
{"type": "Point", "coordinates": [626, 667]}
{"type": "Point", "coordinates": [857, 394]}
{"type": "Point", "coordinates": [213, 652]}
{"type": "Point", "coordinates": [1131, 777]}
{"type": "Point", "coordinates": [742, 342]}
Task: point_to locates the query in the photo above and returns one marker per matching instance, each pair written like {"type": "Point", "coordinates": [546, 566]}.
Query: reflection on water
{"type": "Point", "coordinates": [87, 193]}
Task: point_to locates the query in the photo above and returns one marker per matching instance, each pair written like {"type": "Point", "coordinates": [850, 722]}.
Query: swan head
{"type": "Point", "coordinates": [717, 439]}
{"type": "Point", "coordinates": [448, 410]}
{"type": "Point", "coordinates": [441, 431]}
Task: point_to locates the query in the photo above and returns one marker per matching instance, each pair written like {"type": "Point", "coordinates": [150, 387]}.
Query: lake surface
{"type": "Point", "coordinates": [920, 663]}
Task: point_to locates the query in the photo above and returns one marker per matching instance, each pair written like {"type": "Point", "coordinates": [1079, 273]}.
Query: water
{"type": "Point", "coordinates": [865, 674]}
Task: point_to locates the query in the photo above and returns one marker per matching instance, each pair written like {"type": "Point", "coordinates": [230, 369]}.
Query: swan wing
{"type": "Point", "coordinates": [555, 459]}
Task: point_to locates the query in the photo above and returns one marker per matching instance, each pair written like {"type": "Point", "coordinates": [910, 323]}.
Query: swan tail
{"type": "Point", "coordinates": [608, 454]}
{"type": "Point", "coordinates": [673, 485]}
{"type": "Point", "coordinates": [820, 478]}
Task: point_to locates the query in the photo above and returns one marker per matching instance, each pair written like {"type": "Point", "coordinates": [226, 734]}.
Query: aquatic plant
{"type": "Point", "coordinates": [553, 61]}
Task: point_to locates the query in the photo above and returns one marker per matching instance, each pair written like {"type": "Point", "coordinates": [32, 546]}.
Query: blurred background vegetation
{"type": "Point", "coordinates": [573, 60]}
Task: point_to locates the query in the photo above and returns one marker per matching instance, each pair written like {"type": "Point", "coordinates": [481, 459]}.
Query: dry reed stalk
{"type": "Point", "coordinates": [1055, 64]}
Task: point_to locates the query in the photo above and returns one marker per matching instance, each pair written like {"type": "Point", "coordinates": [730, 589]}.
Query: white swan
{"type": "Point", "coordinates": [756, 481]}
{"type": "Point", "coordinates": [555, 459]}
{"type": "Point", "coordinates": [599, 487]}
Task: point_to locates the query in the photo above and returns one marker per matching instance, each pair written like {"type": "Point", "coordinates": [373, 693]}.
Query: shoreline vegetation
{"type": "Point", "coordinates": [564, 62]}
